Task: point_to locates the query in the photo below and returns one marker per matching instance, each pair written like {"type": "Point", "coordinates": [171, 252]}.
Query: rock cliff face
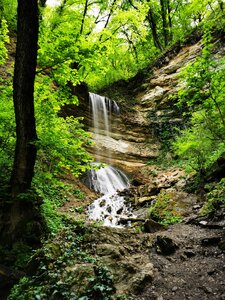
{"type": "Point", "coordinates": [146, 111]}
{"type": "Point", "coordinates": [147, 108]}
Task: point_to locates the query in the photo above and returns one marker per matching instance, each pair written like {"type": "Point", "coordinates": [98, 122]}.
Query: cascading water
{"type": "Point", "coordinates": [105, 180]}
{"type": "Point", "coordinates": [102, 109]}
{"type": "Point", "coordinates": [108, 208]}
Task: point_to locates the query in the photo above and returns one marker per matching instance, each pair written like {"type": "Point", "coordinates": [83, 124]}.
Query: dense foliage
{"type": "Point", "coordinates": [202, 143]}
{"type": "Point", "coordinates": [110, 40]}
{"type": "Point", "coordinates": [63, 252]}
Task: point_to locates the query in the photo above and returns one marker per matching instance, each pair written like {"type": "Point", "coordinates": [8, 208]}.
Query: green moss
{"type": "Point", "coordinates": [164, 210]}
{"type": "Point", "coordinates": [215, 197]}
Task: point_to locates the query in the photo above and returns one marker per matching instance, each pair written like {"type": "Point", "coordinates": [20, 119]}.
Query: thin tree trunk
{"type": "Point", "coordinates": [152, 23]}
{"type": "Point", "coordinates": [110, 13]}
{"type": "Point", "coordinates": [84, 15]}
{"type": "Point", "coordinates": [109, 16]}
{"type": "Point", "coordinates": [164, 21]}
{"type": "Point", "coordinates": [130, 42]}
{"type": "Point", "coordinates": [170, 33]}
{"type": "Point", "coordinates": [23, 85]}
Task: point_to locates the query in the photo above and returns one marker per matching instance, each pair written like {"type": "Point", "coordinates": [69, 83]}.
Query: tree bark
{"type": "Point", "coordinates": [84, 15]}
{"type": "Point", "coordinates": [20, 217]}
{"type": "Point", "coordinates": [164, 21]}
{"type": "Point", "coordinates": [170, 33]}
{"type": "Point", "coordinates": [153, 26]}
{"type": "Point", "coordinates": [23, 96]}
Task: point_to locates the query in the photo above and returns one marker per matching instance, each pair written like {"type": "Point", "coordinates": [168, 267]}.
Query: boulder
{"type": "Point", "coordinates": [142, 279]}
{"type": "Point", "coordinates": [165, 245]}
{"type": "Point", "coordinates": [150, 226]}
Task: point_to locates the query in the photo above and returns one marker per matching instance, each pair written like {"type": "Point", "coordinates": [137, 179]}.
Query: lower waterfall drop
{"type": "Point", "coordinates": [108, 181]}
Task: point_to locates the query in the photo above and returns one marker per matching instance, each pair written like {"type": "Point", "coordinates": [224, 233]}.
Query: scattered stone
{"type": "Point", "coordinates": [151, 226]}
{"type": "Point", "coordinates": [211, 272]}
{"type": "Point", "coordinates": [196, 207]}
{"type": "Point", "coordinates": [171, 259]}
{"type": "Point", "coordinates": [174, 289]}
{"type": "Point", "coordinates": [102, 203]}
{"type": "Point", "coordinates": [110, 218]}
{"type": "Point", "coordinates": [204, 223]}
{"type": "Point", "coordinates": [165, 245]}
{"type": "Point", "coordinates": [119, 211]}
{"type": "Point", "coordinates": [108, 250]}
{"type": "Point", "coordinates": [183, 257]}
{"type": "Point", "coordinates": [109, 209]}
{"type": "Point", "coordinates": [146, 199]}
{"type": "Point", "coordinates": [125, 220]}
{"type": "Point", "coordinates": [222, 297]}
{"type": "Point", "coordinates": [189, 253]}
{"type": "Point", "coordinates": [142, 279]}
{"type": "Point", "coordinates": [212, 241]}
{"type": "Point", "coordinates": [207, 289]}
{"type": "Point", "coordinates": [221, 244]}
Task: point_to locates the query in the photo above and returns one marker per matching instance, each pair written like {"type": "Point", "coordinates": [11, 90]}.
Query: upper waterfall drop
{"type": "Point", "coordinates": [102, 108]}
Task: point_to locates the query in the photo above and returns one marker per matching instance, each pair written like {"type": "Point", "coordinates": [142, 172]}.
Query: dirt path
{"type": "Point", "coordinates": [196, 269]}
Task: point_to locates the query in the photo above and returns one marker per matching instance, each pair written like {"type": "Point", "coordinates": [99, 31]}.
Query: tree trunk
{"type": "Point", "coordinates": [20, 217]}
{"type": "Point", "coordinates": [84, 15]}
{"type": "Point", "coordinates": [170, 32]}
{"type": "Point", "coordinates": [152, 23]}
{"type": "Point", "coordinates": [164, 21]}
{"type": "Point", "coordinates": [23, 85]}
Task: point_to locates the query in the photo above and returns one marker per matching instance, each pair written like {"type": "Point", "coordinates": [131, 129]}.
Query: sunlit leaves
{"type": "Point", "coordinates": [3, 40]}
{"type": "Point", "coordinates": [61, 145]}
{"type": "Point", "coordinates": [203, 142]}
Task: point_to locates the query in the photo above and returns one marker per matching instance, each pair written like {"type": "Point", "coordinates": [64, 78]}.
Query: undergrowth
{"type": "Point", "coordinates": [65, 271]}
{"type": "Point", "coordinates": [215, 198]}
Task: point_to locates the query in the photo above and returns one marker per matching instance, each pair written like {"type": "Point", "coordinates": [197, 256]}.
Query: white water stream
{"type": "Point", "coordinates": [106, 180]}
{"type": "Point", "coordinates": [108, 208]}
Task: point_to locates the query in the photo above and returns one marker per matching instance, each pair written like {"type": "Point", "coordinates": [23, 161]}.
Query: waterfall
{"type": "Point", "coordinates": [106, 180]}
{"type": "Point", "coordinates": [102, 109]}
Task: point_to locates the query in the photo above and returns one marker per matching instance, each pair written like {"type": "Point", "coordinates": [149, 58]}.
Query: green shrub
{"type": "Point", "coordinates": [164, 209]}
{"type": "Point", "coordinates": [215, 198]}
